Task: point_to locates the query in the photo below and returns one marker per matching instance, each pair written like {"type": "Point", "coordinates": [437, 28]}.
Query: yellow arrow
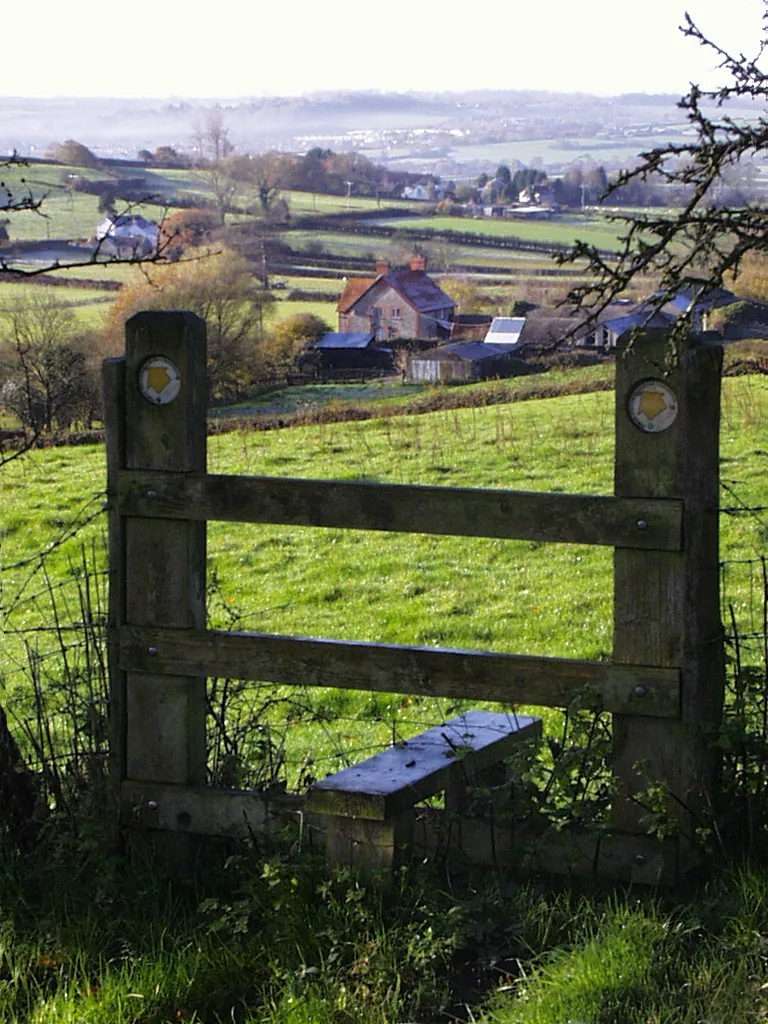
{"type": "Point", "coordinates": [158, 378]}
{"type": "Point", "coordinates": [652, 404]}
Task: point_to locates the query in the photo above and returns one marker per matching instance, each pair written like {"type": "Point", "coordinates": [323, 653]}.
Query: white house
{"type": "Point", "coordinates": [128, 235]}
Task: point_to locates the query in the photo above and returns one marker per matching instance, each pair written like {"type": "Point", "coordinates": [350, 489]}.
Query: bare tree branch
{"type": "Point", "coordinates": [701, 245]}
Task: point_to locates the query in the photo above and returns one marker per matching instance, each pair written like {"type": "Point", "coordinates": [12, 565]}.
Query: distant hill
{"type": "Point", "coordinates": [433, 131]}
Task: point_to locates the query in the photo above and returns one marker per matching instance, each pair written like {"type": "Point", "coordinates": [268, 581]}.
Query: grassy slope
{"type": "Point", "coordinates": [282, 944]}
{"type": "Point", "coordinates": [474, 593]}
{"type": "Point", "coordinates": [565, 230]}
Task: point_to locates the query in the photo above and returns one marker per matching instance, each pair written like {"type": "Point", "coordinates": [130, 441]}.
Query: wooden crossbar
{"type": "Point", "coordinates": [397, 668]}
{"type": "Point", "coordinates": [644, 523]}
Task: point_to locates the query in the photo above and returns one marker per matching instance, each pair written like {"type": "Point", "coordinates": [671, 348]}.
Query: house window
{"type": "Point", "coordinates": [395, 312]}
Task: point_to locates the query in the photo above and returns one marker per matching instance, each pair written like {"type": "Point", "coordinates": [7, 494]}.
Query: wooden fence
{"type": "Point", "coordinates": [663, 686]}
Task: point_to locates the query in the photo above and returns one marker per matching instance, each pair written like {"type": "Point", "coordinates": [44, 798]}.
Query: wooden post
{"type": "Point", "coordinates": [113, 390]}
{"type": "Point", "coordinates": [666, 604]}
{"type": "Point", "coordinates": [163, 560]}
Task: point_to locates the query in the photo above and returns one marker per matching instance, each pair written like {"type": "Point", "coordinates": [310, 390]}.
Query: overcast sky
{"type": "Point", "coordinates": [229, 49]}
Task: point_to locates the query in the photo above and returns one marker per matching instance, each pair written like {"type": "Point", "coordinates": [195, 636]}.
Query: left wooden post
{"type": "Point", "coordinates": [156, 420]}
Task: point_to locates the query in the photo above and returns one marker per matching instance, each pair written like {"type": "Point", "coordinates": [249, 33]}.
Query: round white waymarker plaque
{"type": "Point", "coordinates": [159, 380]}
{"type": "Point", "coordinates": [653, 406]}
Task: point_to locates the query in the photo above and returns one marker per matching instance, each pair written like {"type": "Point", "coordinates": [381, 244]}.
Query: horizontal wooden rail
{"type": "Point", "coordinates": [236, 813]}
{"type": "Point", "coordinates": [475, 675]}
{"type": "Point", "coordinates": [646, 523]}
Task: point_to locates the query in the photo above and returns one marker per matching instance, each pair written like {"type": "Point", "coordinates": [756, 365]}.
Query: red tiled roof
{"type": "Point", "coordinates": [416, 288]}
{"type": "Point", "coordinates": [353, 289]}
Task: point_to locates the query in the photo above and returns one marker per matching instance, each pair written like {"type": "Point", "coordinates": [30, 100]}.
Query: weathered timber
{"type": "Point", "coordinates": [666, 604]}
{"type": "Point", "coordinates": [200, 810]}
{"type": "Point", "coordinates": [165, 585]}
{"type": "Point", "coordinates": [392, 668]}
{"type": "Point", "coordinates": [639, 859]}
{"type": "Point", "coordinates": [113, 388]}
{"type": "Point", "coordinates": [456, 511]}
{"type": "Point", "coordinates": [204, 810]}
{"type": "Point", "coordinates": [396, 778]}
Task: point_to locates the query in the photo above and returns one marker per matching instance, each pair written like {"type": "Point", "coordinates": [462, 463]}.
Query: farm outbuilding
{"type": "Point", "coordinates": [352, 351]}
{"type": "Point", "coordinates": [463, 362]}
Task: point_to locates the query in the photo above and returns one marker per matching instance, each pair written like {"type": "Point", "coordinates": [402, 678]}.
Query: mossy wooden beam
{"type": "Point", "coordinates": [393, 668]}
{"type": "Point", "coordinates": [456, 511]}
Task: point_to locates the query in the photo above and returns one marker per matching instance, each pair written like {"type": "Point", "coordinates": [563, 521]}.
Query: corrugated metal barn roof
{"type": "Point", "coordinates": [355, 339]}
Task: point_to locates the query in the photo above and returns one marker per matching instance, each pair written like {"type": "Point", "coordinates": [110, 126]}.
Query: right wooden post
{"type": "Point", "coordinates": [666, 604]}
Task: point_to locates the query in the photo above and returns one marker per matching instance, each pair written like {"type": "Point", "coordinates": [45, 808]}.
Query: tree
{"type": "Point", "coordinates": [165, 156]}
{"type": "Point", "coordinates": [49, 382]}
{"type": "Point", "coordinates": [73, 153]}
{"type": "Point", "coordinates": [289, 340]}
{"type": "Point", "coordinates": [211, 137]}
{"type": "Point", "coordinates": [466, 294]}
{"type": "Point", "coordinates": [187, 229]}
{"type": "Point", "coordinates": [106, 204]}
{"type": "Point", "coordinates": [220, 289]}
{"type": "Point", "coordinates": [703, 245]}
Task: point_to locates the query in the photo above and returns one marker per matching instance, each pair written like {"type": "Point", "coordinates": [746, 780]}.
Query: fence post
{"type": "Point", "coordinates": [160, 719]}
{"type": "Point", "coordinates": [666, 604]}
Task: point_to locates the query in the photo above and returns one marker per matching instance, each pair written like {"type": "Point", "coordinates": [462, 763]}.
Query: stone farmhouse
{"type": "Point", "coordinates": [397, 304]}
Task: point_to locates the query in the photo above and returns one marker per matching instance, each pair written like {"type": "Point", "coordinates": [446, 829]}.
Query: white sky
{"type": "Point", "coordinates": [229, 49]}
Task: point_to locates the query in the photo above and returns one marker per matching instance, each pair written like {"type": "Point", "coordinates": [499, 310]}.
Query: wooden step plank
{"type": "Point", "coordinates": [397, 778]}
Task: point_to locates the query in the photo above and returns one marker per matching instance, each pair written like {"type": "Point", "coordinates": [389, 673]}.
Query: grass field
{"type": "Point", "coordinates": [564, 230]}
{"type": "Point", "coordinates": [260, 936]}
{"type": "Point", "coordinates": [90, 306]}
{"type": "Point", "coordinates": [483, 594]}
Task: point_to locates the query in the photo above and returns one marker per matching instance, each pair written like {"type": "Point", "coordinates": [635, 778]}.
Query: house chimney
{"type": "Point", "coordinates": [419, 263]}
{"type": "Point", "coordinates": [382, 267]}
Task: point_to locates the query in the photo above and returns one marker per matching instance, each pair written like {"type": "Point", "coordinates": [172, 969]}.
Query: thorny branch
{"type": "Point", "coordinates": [164, 252]}
{"type": "Point", "coordinates": [702, 244]}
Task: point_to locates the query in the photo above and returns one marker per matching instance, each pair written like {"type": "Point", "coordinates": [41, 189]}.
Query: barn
{"type": "Point", "coordinates": [463, 362]}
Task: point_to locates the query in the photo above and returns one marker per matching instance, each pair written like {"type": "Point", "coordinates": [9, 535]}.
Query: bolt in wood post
{"type": "Point", "coordinates": [666, 604]}
{"type": "Point", "coordinates": [163, 728]}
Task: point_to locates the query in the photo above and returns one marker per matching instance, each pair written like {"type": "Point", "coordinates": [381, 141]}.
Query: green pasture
{"type": "Point", "coordinates": [556, 152]}
{"type": "Point", "coordinates": [257, 936]}
{"type": "Point", "coordinates": [90, 306]}
{"type": "Point", "coordinates": [99, 272]}
{"type": "Point", "coordinates": [304, 204]}
{"type": "Point", "coordinates": [283, 309]}
{"type": "Point", "coordinates": [281, 282]}
{"type": "Point", "coordinates": [441, 250]}
{"type": "Point", "coordinates": [301, 398]}
{"type": "Point", "coordinates": [520, 597]}
{"type": "Point", "coordinates": [563, 230]}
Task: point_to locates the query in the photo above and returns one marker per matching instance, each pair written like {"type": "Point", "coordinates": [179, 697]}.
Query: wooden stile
{"type": "Point", "coordinates": [664, 685]}
{"type": "Point", "coordinates": [666, 604]}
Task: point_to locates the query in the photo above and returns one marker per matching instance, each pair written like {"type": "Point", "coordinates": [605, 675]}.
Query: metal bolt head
{"type": "Point", "coordinates": [639, 690]}
{"type": "Point", "coordinates": [151, 651]}
{"type": "Point", "coordinates": [152, 805]}
{"type": "Point", "coordinates": [642, 524]}
{"type": "Point", "coordinates": [151, 493]}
